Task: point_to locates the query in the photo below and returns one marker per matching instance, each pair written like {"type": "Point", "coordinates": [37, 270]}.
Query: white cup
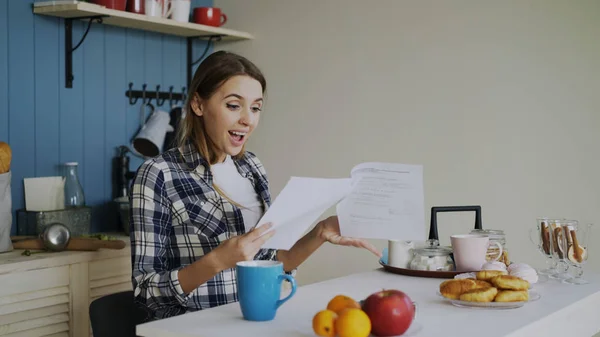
{"type": "Point", "coordinates": [154, 8]}
{"type": "Point", "coordinates": [400, 253]}
{"type": "Point", "coordinates": [180, 10]}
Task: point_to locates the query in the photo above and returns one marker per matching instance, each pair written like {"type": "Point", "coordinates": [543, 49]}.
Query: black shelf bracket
{"type": "Point", "coordinates": [190, 45]}
{"type": "Point", "coordinates": [69, 49]}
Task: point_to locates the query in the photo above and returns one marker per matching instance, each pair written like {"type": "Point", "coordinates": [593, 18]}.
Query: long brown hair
{"type": "Point", "coordinates": [214, 70]}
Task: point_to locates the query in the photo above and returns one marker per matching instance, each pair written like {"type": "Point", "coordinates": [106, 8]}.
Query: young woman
{"type": "Point", "coordinates": [194, 208]}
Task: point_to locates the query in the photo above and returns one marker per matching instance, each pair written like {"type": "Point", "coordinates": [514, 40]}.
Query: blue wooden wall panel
{"type": "Point", "coordinates": [46, 96]}
{"type": "Point", "coordinates": [198, 50]}
{"type": "Point", "coordinates": [94, 99]}
{"type": "Point", "coordinates": [135, 66]}
{"type": "Point", "coordinates": [116, 108]}
{"type": "Point", "coordinates": [47, 124]}
{"type": "Point", "coordinates": [153, 62]}
{"type": "Point", "coordinates": [115, 130]}
{"type": "Point", "coordinates": [171, 65]}
{"type": "Point", "coordinates": [93, 115]}
{"type": "Point", "coordinates": [21, 90]}
{"type": "Point", "coordinates": [183, 62]}
{"type": "Point", "coordinates": [4, 72]}
{"type": "Point", "coordinates": [152, 69]}
{"type": "Point", "coordinates": [71, 104]}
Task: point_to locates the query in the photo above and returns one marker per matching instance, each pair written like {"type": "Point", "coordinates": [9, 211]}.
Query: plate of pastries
{"type": "Point", "coordinates": [496, 289]}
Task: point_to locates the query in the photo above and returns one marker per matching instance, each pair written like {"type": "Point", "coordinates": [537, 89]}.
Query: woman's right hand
{"type": "Point", "coordinates": [242, 247]}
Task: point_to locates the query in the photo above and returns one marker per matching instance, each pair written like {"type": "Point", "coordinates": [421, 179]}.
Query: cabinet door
{"type": "Point", "coordinates": [35, 302]}
{"type": "Point", "coordinates": [109, 276]}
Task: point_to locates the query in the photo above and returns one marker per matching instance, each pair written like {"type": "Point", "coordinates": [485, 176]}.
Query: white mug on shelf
{"type": "Point", "coordinates": [154, 8]}
{"type": "Point", "coordinates": [180, 10]}
{"type": "Point", "coordinates": [157, 8]}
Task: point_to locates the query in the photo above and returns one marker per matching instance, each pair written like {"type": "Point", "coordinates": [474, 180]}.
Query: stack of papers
{"type": "Point", "coordinates": [378, 201]}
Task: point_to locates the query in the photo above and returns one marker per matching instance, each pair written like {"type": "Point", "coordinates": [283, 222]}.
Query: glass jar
{"type": "Point", "coordinates": [432, 257]}
{"type": "Point", "coordinates": [73, 190]}
{"type": "Point", "coordinates": [495, 235]}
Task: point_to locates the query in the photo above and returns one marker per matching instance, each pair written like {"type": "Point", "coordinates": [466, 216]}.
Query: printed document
{"type": "Point", "coordinates": [378, 201]}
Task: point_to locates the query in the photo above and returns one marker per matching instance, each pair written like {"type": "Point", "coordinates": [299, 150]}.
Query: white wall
{"type": "Point", "coordinates": [500, 101]}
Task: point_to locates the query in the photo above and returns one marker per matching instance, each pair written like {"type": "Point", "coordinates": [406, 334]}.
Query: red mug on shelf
{"type": "Point", "coordinates": [209, 16]}
{"type": "Point", "coordinates": [135, 6]}
{"type": "Point", "coordinates": [112, 4]}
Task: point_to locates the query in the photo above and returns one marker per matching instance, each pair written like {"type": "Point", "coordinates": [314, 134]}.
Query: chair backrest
{"type": "Point", "coordinates": [115, 315]}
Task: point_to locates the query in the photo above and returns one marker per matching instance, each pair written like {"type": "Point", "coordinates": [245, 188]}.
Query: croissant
{"type": "Point", "coordinates": [452, 289]}
{"type": "Point", "coordinates": [5, 157]}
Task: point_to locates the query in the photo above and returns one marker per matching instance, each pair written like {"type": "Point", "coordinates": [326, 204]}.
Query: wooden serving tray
{"type": "Point", "coordinates": [420, 273]}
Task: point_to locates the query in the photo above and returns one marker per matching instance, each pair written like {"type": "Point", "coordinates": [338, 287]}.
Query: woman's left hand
{"type": "Point", "coordinates": [329, 230]}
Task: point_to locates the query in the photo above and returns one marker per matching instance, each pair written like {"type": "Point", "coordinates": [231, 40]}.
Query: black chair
{"type": "Point", "coordinates": [116, 315]}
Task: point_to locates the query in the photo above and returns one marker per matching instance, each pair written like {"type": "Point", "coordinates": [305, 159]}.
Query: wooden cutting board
{"type": "Point", "coordinates": [79, 244]}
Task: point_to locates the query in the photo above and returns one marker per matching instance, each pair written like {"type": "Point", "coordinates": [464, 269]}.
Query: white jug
{"type": "Point", "coordinates": [149, 141]}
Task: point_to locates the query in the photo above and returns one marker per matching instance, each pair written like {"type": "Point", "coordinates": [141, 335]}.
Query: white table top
{"type": "Point", "coordinates": [562, 310]}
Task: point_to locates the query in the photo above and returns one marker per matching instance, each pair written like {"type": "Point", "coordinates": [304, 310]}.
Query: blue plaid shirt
{"type": "Point", "coordinates": [176, 218]}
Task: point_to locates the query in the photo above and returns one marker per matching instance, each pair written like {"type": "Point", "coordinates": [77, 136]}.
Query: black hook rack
{"type": "Point", "coordinates": [69, 44]}
{"type": "Point", "coordinates": [158, 96]}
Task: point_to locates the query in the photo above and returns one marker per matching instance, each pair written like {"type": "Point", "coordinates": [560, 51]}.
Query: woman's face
{"type": "Point", "coordinates": [231, 113]}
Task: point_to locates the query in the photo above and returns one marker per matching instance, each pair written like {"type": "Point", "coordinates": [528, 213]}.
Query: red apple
{"type": "Point", "coordinates": [391, 312]}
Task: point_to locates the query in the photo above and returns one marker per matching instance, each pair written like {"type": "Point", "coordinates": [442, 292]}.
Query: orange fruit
{"type": "Point", "coordinates": [353, 322]}
{"type": "Point", "coordinates": [341, 302]}
{"type": "Point", "coordinates": [324, 323]}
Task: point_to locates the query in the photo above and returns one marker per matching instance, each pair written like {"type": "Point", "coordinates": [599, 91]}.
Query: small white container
{"type": "Point", "coordinates": [400, 253]}
{"type": "Point", "coordinates": [5, 212]}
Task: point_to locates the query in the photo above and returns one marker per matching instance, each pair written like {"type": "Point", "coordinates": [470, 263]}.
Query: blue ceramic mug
{"type": "Point", "coordinates": [259, 288]}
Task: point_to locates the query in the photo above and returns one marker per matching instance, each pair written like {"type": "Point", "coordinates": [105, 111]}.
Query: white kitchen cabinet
{"type": "Point", "coordinates": [48, 294]}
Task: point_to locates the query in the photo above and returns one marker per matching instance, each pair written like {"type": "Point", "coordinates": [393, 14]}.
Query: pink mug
{"type": "Point", "coordinates": [470, 250]}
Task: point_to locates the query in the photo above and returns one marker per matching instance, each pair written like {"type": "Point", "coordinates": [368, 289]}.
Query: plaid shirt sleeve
{"type": "Point", "coordinates": [155, 283]}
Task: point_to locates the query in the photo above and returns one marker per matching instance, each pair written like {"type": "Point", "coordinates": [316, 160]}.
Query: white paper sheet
{"type": "Point", "coordinates": [379, 201]}
{"type": "Point", "coordinates": [44, 193]}
{"type": "Point", "coordinates": [299, 205]}
{"type": "Point", "coordinates": [386, 202]}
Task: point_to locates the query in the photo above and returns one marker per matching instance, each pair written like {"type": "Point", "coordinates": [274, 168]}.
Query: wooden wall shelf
{"type": "Point", "coordinates": [70, 10]}
{"type": "Point", "coordinates": [124, 19]}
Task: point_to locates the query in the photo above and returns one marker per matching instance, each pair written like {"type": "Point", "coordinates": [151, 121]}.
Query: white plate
{"type": "Point", "coordinates": [414, 329]}
{"type": "Point", "coordinates": [533, 296]}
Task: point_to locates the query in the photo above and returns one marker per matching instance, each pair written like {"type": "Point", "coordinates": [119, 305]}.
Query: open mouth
{"type": "Point", "coordinates": [237, 136]}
